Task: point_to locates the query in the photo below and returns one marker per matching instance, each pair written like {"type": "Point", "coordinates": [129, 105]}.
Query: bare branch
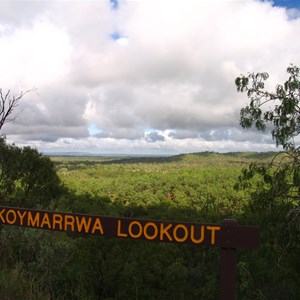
{"type": "Point", "coordinates": [8, 103]}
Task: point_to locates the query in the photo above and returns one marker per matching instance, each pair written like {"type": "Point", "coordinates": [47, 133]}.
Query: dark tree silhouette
{"type": "Point", "coordinates": [8, 103]}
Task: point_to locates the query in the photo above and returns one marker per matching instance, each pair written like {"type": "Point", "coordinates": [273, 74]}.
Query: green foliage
{"type": "Point", "coordinates": [282, 111]}
{"type": "Point", "coordinates": [27, 178]}
{"type": "Point", "coordinates": [279, 182]}
{"type": "Point", "coordinates": [195, 188]}
{"type": "Point", "coordinates": [197, 182]}
{"type": "Point", "coordinates": [274, 188]}
{"type": "Point", "coordinates": [190, 188]}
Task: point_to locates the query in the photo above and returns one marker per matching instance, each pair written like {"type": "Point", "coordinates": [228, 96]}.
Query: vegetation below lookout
{"type": "Point", "coordinates": [199, 187]}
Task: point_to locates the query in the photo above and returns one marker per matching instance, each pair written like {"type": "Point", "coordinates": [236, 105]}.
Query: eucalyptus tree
{"type": "Point", "coordinates": [274, 187]}
{"type": "Point", "coordinates": [279, 112]}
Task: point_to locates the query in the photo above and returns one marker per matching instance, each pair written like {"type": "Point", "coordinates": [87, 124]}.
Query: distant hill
{"type": "Point", "coordinates": [200, 159]}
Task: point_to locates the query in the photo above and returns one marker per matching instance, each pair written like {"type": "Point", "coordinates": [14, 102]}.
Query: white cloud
{"type": "Point", "coordinates": [170, 67]}
{"type": "Point", "coordinates": [34, 56]}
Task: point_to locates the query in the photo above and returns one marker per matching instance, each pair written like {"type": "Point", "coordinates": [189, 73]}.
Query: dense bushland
{"type": "Point", "coordinates": [199, 187]}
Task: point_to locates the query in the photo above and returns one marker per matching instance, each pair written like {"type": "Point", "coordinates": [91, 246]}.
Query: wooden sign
{"type": "Point", "coordinates": [208, 235]}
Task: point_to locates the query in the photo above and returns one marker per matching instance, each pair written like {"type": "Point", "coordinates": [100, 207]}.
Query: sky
{"type": "Point", "coordinates": [141, 77]}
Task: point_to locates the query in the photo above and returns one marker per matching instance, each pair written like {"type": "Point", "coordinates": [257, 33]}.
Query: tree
{"type": "Point", "coordinates": [274, 187]}
{"type": "Point", "coordinates": [279, 111]}
{"type": "Point", "coordinates": [284, 113]}
{"type": "Point", "coordinates": [8, 103]}
{"type": "Point", "coordinates": [26, 177]}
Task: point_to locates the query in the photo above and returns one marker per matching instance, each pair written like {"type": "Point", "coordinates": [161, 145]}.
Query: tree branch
{"type": "Point", "coordinates": [7, 105]}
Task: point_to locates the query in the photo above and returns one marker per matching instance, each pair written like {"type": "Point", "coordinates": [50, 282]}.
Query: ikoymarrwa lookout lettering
{"type": "Point", "coordinates": [152, 230]}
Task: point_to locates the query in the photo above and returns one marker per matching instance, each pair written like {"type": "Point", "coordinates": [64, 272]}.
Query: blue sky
{"type": "Point", "coordinates": [114, 4]}
{"type": "Point", "coordinates": [282, 3]}
{"type": "Point", "coordinates": [139, 77]}
{"type": "Point", "coordinates": [287, 3]}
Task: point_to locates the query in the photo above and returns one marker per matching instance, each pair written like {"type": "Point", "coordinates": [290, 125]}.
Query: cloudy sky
{"type": "Point", "coordinates": [141, 77]}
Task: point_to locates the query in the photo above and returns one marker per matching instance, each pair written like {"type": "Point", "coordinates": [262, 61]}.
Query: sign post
{"type": "Point", "coordinates": [228, 267]}
{"type": "Point", "coordinates": [228, 236]}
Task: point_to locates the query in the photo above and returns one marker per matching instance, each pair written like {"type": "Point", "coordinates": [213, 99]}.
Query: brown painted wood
{"type": "Point", "coordinates": [228, 265]}
{"type": "Point", "coordinates": [224, 235]}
